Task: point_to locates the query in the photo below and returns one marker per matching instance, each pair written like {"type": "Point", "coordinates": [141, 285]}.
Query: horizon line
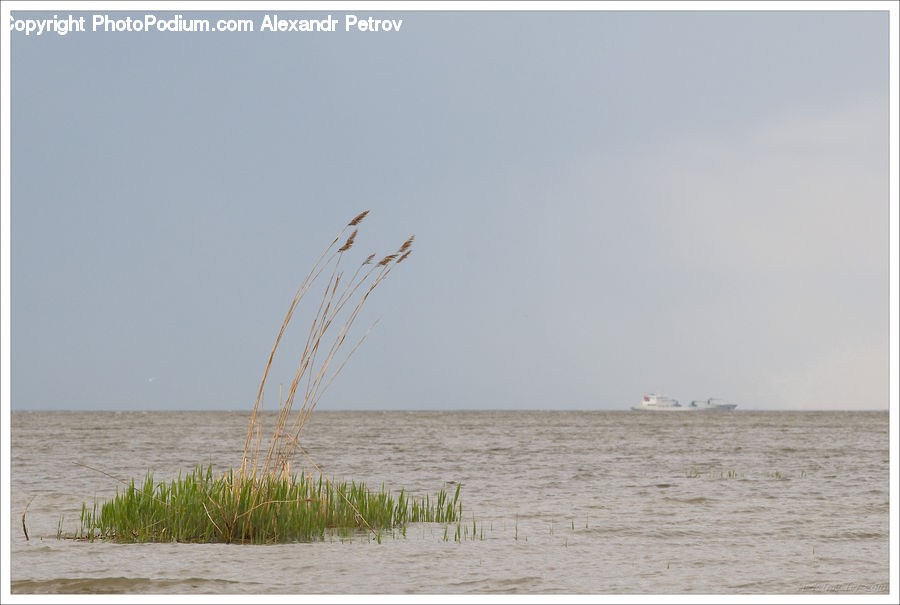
{"type": "Point", "coordinates": [888, 409]}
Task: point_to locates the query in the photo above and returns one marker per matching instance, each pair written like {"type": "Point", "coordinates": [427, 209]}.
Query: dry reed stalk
{"type": "Point", "coordinates": [25, 512]}
{"type": "Point", "coordinates": [279, 449]}
{"type": "Point", "coordinates": [319, 351]}
{"type": "Point", "coordinates": [304, 287]}
{"type": "Point", "coordinates": [316, 388]}
{"type": "Point", "coordinates": [313, 397]}
{"type": "Point", "coordinates": [122, 481]}
{"type": "Point", "coordinates": [320, 324]}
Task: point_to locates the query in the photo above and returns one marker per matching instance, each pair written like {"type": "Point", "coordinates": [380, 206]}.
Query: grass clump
{"type": "Point", "coordinates": [203, 507]}
{"type": "Point", "coordinates": [264, 501]}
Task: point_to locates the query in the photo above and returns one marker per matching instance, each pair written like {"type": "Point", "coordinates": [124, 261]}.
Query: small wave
{"type": "Point", "coordinates": [517, 584]}
{"type": "Point", "coordinates": [497, 585]}
{"type": "Point", "coordinates": [119, 585]}
{"type": "Point", "coordinates": [697, 500]}
{"type": "Point", "coordinates": [860, 535]}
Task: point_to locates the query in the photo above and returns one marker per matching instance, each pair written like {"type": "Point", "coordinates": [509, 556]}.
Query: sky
{"type": "Point", "coordinates": [605, 204]}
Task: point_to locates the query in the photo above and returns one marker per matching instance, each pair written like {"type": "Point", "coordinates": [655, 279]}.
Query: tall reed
{"type": "Point", "coordinates": [338, 309]}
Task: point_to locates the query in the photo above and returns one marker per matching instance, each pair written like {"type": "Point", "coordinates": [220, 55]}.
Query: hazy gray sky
{"type": "Point", "coordinates": [605, 204]}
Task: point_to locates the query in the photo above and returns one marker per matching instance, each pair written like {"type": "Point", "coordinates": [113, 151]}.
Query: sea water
{"type": "Point", "coordinates": [553, 502]}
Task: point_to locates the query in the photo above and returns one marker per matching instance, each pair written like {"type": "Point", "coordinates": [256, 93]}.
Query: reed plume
{"type": "Point", "coordinates": [349, 242]}
{"type": "Point", "coordinates": [406, 245]}
{"type": "Point", "coordinates": [358, 219]}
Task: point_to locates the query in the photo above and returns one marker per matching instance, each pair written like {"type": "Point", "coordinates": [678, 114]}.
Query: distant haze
{"type": "Point", "coordinates": [605, 204]}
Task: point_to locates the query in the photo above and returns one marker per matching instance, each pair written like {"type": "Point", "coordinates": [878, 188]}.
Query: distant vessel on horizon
{"type": "Point", "coordinates": [655, 402]}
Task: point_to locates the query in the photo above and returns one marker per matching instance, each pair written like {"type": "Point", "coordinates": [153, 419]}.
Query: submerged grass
{"type": "Point", "coordinates": [203, 507]}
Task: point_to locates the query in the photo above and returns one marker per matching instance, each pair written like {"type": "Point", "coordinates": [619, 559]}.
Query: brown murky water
{"type": "Point", "coordinates": [563, 502]}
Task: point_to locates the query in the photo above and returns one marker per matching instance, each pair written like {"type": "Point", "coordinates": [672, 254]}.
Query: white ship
{"type": "Point", "coordinates": [659, 403]}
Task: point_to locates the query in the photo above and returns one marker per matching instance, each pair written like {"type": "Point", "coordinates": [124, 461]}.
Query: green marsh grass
{"type": "Point", "coordinates": [202, 507]}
